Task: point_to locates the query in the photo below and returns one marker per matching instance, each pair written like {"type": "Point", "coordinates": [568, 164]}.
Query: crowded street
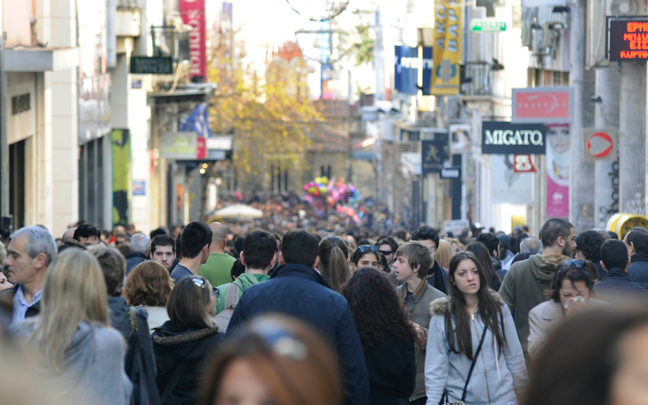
{"type": "Point", "coordinates": [324, 202]}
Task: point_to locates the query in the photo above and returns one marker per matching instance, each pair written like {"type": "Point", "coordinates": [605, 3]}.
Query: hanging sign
{"type": "Point", "coordinates": [600, 144]}
{"type": "Point", "coordinates": [487, 25]}
{"type": "Point", "coordinates": [542, 105]}
{"type": "Point", "coordinates": [453, 172]}
{"type": "Point", "coordinates": [432, 156]}
{"type": "Point", "coordinates": [504, 138]}
{"type": "Point", "coordinates": [628, 39]}
{"type": "Point", "coordinates": [447, 47]}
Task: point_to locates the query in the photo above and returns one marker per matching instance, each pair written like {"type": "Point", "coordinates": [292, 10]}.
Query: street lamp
{"type": "Point", "coordinates": [318, 10]}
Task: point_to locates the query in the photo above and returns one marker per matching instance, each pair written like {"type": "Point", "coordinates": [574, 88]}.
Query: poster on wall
{"type": "Point", "coordinates": [507, 185]}
{"type": "Point", "coordinates": [460, 141]}
{"type": "Point", "coordinates": [558, 167]}
{"type": "Point", "coordinates": [121, 169]}
{"type": "Point", "coordinates": [448, 15]}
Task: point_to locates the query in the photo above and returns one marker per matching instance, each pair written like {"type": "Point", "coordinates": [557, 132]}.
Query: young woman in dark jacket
{"type": "Point", "coordinates": [184, 343]}
{"type": "Point", "coordinates": [386, 335]}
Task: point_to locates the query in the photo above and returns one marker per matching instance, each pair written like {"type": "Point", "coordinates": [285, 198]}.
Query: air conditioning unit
{"type": "Point", "coordinates": [597, 11]}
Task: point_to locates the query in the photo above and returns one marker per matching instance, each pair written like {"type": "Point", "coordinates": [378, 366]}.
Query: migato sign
{"type": "Point", "coordinates": [517, 139]}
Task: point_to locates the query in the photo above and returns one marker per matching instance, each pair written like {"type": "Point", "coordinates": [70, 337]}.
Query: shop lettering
{"type": "Point", "coordinates": [447, 19]}
{"type": "Point", "coordinates": [194, 42]}
{"type": "Point", "coordinates": [637, 26]}
{"type": "Point", "coordinates": [519, 137]}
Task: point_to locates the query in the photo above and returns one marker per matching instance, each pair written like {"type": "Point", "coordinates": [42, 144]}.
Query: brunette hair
{"type": "Point", "coordinates": [296, 365]}
{"type": "Point", "coordinates": [148, 284]}
{"type": "Point", "coordinates": [187, 306]}
{"type": "Point", "coordinates": [334, 255]}
{"type": "Point", "coordinates": [481, 253]}
{"type": "Point", "coordinates": [357, 255]}
{"type": "Point", "coordinates": [490, 310]}
{"type": "Point", "coordinates": [113, 266]}
{"type": "Point", "coordinates": [573, 270]}
{"type": "Point", "coordinates": [417, 254]}
{"type": "Point", "coordinates": [375, 308]}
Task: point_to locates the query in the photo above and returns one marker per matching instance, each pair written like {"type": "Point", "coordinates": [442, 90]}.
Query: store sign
{"type": "Point", "coordinates": [543, 3]}
{"type": "Point", "coordinates": [406, 69]}
{"type": "Point", "coordinates": [628, 39]}
{"type": "Point", "coordinates": [600, 144]}
{"type": "Point", "coordinates": [201, 148]}
{"type": "Point", "coordinates": [487, 25]}
{"type": "Point", "coordinates": [501, 138]}
{"type": "Point", "coordinates": [455, 226]}
{"type": "Point", "coordinates": [448, 15]}
{"type": "Point", "coordinates": [451, 172]}
{"type": "Point", "coordinates": [178, 145]}
{"type": "Point", "coordinates": [523, 164]}
{"type": "Point", "coordinates": [151, 65]}
{"type": "Point", "coordinates": [193, 14]}
{"type": "Point", "coordinates": [542, 105]}
{"type": "Point", "coordinates": [432, 156]}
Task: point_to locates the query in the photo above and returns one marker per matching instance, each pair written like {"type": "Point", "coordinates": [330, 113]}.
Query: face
{"type": "Point", "coordinates": [211, 305]}
{"type": "Point", "coordinates": [92, 240]}
{"type": "Point", "coordinates": [119, 240]}
{"type": "Point", "coordinates": [429, 243]}
{"type": "Point", "coordinates": [466, 277]}
{"type": "Point", "coordinates": [630, 383]}
{"type": "Point", "coordinates": [21, 268]}
{"type": "Point", "coordinates": [567, 291]}
{"type": "Point", "coordinates": [367, 260]}
{"type": "Point", "coordinates": [403, 269]}
{"type": "Point", "coordinates": [558, 138]}
{"type": "Point", "coordinates": [389, 256]}
{"type": "Point", "coordinates": [240, 385]}
{"type": "Point", "coordinates": [4, 283]}
{"type": "Point", "coordinates": [570, 243]}
{"type": "Point", "coordinates": [164, 255]}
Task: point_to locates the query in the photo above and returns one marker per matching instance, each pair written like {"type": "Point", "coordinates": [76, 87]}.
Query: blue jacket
{"type": "Point", "coordinates": [619, 281]}
{"type": "Point", "coordinates": [301, 292]}
{"type": "Point", "coordinates": [638, 270]}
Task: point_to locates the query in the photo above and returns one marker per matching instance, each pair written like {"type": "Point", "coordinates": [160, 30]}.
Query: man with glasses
{"type": "Point", "coordinates": [388, 247]}
{"type": "Point", "coordinates": [525, 283]}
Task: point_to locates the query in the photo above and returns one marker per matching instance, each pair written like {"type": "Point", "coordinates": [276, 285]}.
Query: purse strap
{"type": "Point", "coordinates": [472, 366]}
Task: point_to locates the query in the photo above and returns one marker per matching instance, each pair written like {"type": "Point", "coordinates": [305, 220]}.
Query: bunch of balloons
{"type": "Point", "coordinates": [317, 188]}
{"type": "Point", "coordinates": [323, 193]}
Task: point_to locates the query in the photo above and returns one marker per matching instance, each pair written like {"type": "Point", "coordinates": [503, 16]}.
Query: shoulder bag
{"type": "Point", "coordinates": [444, 398]}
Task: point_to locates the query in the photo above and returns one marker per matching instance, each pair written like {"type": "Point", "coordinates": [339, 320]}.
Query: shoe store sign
{"type": "Point", "coordinates": [504, 138]}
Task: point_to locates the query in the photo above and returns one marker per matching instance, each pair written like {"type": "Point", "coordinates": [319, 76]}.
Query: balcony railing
{"type": "Point", "coordinates": [477, 79]}
{"type": "Point", "coordinates": [171, 41]}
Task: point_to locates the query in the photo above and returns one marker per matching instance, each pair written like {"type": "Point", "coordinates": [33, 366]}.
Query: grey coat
{"type": "Point", "coordinates": [418, 308]}
{"type": "Point", "coordinates": [502, 375]}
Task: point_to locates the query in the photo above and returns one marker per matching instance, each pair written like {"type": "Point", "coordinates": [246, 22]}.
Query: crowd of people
{"type": "Point", "coordinates": [200, 315]}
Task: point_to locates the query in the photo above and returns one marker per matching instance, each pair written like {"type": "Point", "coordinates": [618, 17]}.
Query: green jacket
{"type": "Point", "coordinates": [244, 281]}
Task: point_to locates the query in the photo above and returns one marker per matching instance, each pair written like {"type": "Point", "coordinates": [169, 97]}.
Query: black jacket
{"type": "Point", "coordinates": [301, 292]}
{"type": "Point", "coordinates": [185, 350]}
{"type": "Point", "coordinates": [437, 277]}
{"type": "Point", "coordinates": [638, 270]}
{"type": "Point", "coordinates": [31, 311]}
{"type": "Point", "coordinates": [392, 370]}
{"type": "Point", "coordinates": [134, 259]}
{"type": "Point", "coordinates": [618, 281]}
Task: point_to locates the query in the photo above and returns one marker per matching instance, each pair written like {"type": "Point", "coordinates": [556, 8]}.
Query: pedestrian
{"type": "Point", "coordinates": [429, 237]}
{"type": "Point", "coordinates": [184, 343]}
{"type": "Point", "coordinates": [525, 283]}
{"type": "Point", "coordinates": [273, 360]}
{"type": "Point", "coordinates": [365, 256]}
{"type": "Point", "coordinates": [481, 253]}
{"type": "Point", "coordinates": [298, 290]}
{"type": "Point", "coordinates": [333, 257]}
{"type": "Point", "coordinates": [473, 354]}
{"type": "Point", "coordinates": [71, 336]}
{"type": "Point", "coordinates": [218, 265]}
{"type": "Point", "coordinates": [443, 254]}
{"type": "Point", "coordinates": [572, 291]}
{"type": "Point", "coordinates": [614, 262]}
{"type": "Point", "coordinates": [195, 241]}
{"type": "Point", "coordinates": [162, 249]}
{"type": "Point", "coordinates": [637, 244]}
{"type": "Point", "coordinates": [87, 234]}
{"type": "Point", "coordinates": [387, 246]}
{"type": "Point", "coordinates": [597, 357]}
{"type": "Point", "coordinates": [386, 333]}
{"type": "Point", "coordinates": [589, 248]}
{"type": "Point", "coordinates": [139, 251]}
{"type": "Point", "coordinates": [148, 287]}
{"type": "Point", "coordinates": [412, 260]}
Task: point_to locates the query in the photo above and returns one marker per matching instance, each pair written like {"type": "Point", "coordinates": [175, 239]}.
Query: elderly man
{"type": "Point", "coordinates": [218, 266]}
{"type": "Point", "coordinates": [30, 251]}
{"type": "Point", "coordinates": [139, 245]}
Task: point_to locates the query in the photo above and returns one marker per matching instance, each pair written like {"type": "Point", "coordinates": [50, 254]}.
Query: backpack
{"type": "Point", "coordinates": [222, 319]}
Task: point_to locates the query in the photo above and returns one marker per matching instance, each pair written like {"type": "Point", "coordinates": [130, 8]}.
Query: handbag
{"type": "Point", "coordinates": [444, 397]}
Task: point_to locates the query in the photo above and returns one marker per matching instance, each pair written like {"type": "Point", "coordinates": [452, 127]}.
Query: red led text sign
{"type": "Point", "coordinates": [628, 40]}
{"type": "Point", "coordinates": [542, 105]}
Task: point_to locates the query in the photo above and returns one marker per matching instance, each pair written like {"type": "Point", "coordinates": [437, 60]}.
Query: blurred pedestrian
{"type": "Point", "coordinates": [473, 354]}
{"type": "Point", "coordinates": [334, 261]}
{"type": "Point", "coordinates": [195, 241]}
{"type": "Point", "coordinates": [218, 265]}
{"type": "Point", "coordinates": [139, 246]}
{"type": "Point", "coordinates": [614, 262]}
{"type": "Point", "coordinates": [443, 254]}
{"type": "Point", "coordinates": [386, 334]}
{"type": "Point", "coordinates": [387, 247]}
{"type": "Point", "coordinates": [588, 247]}
{"type": "Point", "coordinates": [87, 234]}
{"type": "Point", "coordinates": [149, 287]}
{"type": "Point", "coordinates": [481, 253]}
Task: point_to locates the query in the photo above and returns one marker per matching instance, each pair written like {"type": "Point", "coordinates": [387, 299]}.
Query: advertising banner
{"type": "Point", "coordinates": [406, 70]}
{"type": "Point", "coordinates": [460, 141]}
{"type": "Point", "coordinates": [193, 14]}
{"type": "Point", "coordinates": [502, 138]}
{"type": "Point", "coordinates": [628, 39]}
{"type": "Point", "coordinates": [507, 185]}
{"type": "Point", "coordinates": [428, 63]}
{"type": "Point", "coordinates": [121, 171]}
{"type": "Point", "coordinates": [433, 156]}
{"type": "Point", "coordinates": [447, 47]}
{"type": "Point", "coordinates": [558, 167]}
{"type": "Point", "coordinates": [542, 105]}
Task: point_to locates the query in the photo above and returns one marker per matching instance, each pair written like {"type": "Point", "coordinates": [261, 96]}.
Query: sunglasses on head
{"type": "Point", "coordinates": [201, 283]}
{"type": "Point", "coordinates": [566, 264]}
{"type": "Point", "coordinates": [368, 248]}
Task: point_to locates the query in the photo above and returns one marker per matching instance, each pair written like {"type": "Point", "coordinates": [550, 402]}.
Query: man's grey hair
{"type": "Point", "coordinates": [220, 233]}
{"type": "Point", "coordinates": [139, 242]}
{"type": "Point", "coordinates": [39, 241]}
{"type": "Point", "coordinates": [531, 246]}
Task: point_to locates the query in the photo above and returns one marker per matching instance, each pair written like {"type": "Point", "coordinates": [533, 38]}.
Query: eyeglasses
{"type": "Point", "coordinates": [385, 252]}
{"type": "Point", "coordinates": [367, 248]}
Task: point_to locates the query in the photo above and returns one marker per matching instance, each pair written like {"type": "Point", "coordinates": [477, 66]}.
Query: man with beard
{"type": "Point", "coordinates": [525, 283]}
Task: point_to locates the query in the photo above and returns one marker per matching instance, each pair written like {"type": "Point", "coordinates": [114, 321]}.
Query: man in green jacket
{"type": "Point", "coordinates": [258, 257]}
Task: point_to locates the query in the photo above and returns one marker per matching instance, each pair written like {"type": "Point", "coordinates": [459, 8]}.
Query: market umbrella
{"type": "Point", "coordinates": [238, 211]}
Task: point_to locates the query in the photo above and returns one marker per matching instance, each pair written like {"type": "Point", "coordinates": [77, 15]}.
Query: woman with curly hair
{"type": "Point", "coordinates": [148, 286]}
{"type": "Point", "coordinates": [386, 334]}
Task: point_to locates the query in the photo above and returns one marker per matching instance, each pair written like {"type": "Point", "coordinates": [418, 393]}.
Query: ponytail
{"type": "Point", "coordinates": [337, 268]}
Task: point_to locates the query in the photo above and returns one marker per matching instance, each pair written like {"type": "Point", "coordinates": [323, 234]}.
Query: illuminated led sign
{"type": "Point", "coordinates": [628, 39]}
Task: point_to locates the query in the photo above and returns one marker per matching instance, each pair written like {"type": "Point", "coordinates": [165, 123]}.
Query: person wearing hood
{"type": "Point", "coordinates": [473, 354]}
{"type": "Point", "coordinates": [526, 281]}
{"type": "Point", "coordinates": [298, 290]}
{"type": "Point", "coordinates": [184, 343]}
{"type": "Point", "coordinates": [637, 245]}
{"type": "Point", "coordinates": [258, 257]}
{"type": "Point", "coordinates": [71, 337]}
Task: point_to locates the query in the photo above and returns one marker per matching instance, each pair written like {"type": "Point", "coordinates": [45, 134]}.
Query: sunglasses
{"type": "Point", "coordinates": [201, 283]}
{"type": "Point", "coordinates": [566, 264]}
{"type": "Point", "coordinates": [368, 248]}
{"type": "Point", "coordinates": [385, 252]}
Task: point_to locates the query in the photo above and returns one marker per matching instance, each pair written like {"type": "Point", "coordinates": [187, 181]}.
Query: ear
{"type": "Point", "coordinates": [243, 257]}
{"type": "Point", "coordinates": [281, 258]}
{"type": "Point", "coordinates": [560, 241]}
{"type": "Point", "coordinates": [632, 248]}
{"type": "Point", "coordinates": [316, 262]}
{"type": "Point", "coordinates": [603, 265]}
{"type": "Point", "coordinates": [629, 261]}
{"type": "Point", "coordinates": [418, 267]}
{"type": "Point", "coordinates": [39, 261]}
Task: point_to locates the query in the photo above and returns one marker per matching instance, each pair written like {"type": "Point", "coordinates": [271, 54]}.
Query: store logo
{"type": "Point", "coordinates": [446, 71]}
{"type": "Point", "coordinates": [499, 137]}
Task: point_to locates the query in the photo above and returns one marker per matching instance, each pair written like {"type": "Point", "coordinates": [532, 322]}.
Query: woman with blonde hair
{"type": "Point", "coordinates": [443, 254]}
{"type": "Point", "coordinates": [149, 286]}
{"type": "Point", "coordinates": [334, 261]}
{"type": "Point", "coordinates": [72, 338]}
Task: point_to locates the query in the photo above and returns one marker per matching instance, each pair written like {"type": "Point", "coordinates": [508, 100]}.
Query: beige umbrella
{"type": "Point", "coordinates": [238, 211]}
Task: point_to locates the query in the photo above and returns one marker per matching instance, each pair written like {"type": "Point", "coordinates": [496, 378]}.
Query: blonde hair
{"type": "Point", "coordinates": [74, 291]}
{"type": "Point", "coordinates": [444, 253]}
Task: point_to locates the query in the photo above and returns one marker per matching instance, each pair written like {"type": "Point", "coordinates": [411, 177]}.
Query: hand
{"type": "Point", "coordinates": [576, 305]}
{"type": "Point", "coordinates": [420, 333]}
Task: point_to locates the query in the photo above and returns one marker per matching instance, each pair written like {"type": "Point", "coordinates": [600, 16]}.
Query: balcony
{"type": "Point", "coordinates": [477, 79]}
{"type": "Point", "coordinates": [171, 41]}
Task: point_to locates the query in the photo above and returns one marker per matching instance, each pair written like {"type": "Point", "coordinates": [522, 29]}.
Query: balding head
{"type": "Point", "coordinates": [218, 238]}
{"type": "Point", "coordinates": [69, 234]}
{"type": "Point", "coordinates": [531, 246]}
